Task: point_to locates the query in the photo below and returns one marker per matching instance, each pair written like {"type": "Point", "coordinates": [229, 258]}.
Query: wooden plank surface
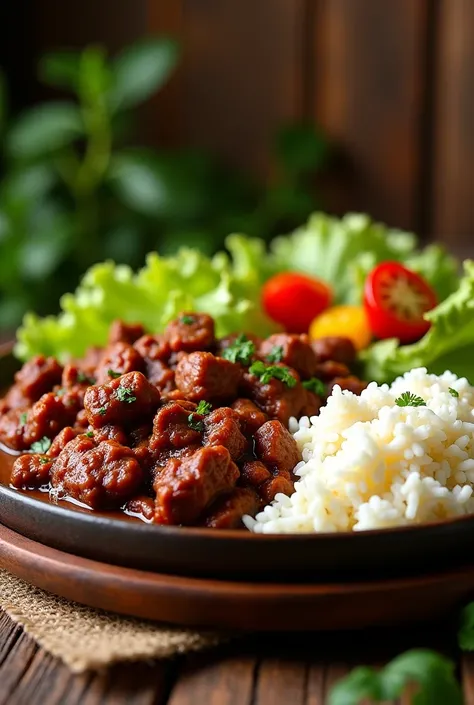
{"type": "Point", "coordinates": [291, 669]}
{"type": "Point", "coordinates": [368, 94]}
{"type": "Point", "coordinates": [454, 134]}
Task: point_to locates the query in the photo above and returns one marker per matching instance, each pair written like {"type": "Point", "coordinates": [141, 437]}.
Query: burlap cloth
{"type": "Point", "coordinates": [87, 639]}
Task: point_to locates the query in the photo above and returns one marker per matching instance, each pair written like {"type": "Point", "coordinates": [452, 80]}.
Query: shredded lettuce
{"type": "Point", "coordinates": [448, 345]}
{"type": "Point", "coordinates": [340, 251]}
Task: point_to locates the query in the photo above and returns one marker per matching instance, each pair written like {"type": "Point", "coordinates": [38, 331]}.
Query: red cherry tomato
{"type": "Point", "coordinates": [395, 299]}
{"type": "Point", "coordinates": [294, 300]}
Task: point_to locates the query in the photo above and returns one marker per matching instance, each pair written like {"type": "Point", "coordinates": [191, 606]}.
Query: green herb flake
{"type": "Point", "coordinates": [61, 392]}
{"type": "Point", "coordinates": [316, 386]}
{"type": "Point", "coordinates": [453, 392]}
{"type": "Point", "coordinates": [23, 418]}
{"type": "Point", "coordinates": [114, 374]}
{"type": "Point", "coordinates": [90, 434]}
{"type": "Point", "coordinates": [241, 350]}
{"type": "Point", "coordinates": [276, 354]}
{"type": "Point", "coordinates": [187, 320]}
{"type": "Point", "coordinates": [203, 408]}
{"type": "Point", "coordinates": [268, 372]}
{"type": "Point", "coordinates": [82, 378]}
{"type": "Point", "coordinates": [433, 673]}
{"type": "Point", "coordinates": [195, 424]}
{"type": "Point", "coordinates": [409, 399]}
{"type": "Point", "coordinates": [126, 395]}
{"type": "Point", "coordinates": [41, 446]}
{"type": "Point", "coordinates": [44, 460]}
{"type": "Point", "coordinates": [102, 411]}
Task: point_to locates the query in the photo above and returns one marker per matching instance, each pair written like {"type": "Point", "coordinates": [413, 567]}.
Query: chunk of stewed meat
{"type": "Point", "coordinates": [74, 375]}
{"type": "Point", "coordinates": [228, 340]}
{"type": "Point", "coordinates": [101, 476]}
{"type": "Point", "coordinates": [173, 428]}
{"type": "Point", "coordinates": [351, 383]}
{"type": "Point", "coordinates": [14, 399]}
{"type": "Point", "coordinates": [160, 375]}
{"type": "Point", "coordinates": [276, 447]}
{"type": "Point", "coordinates": [12, 429]}
{"type": "Point", "coordinates": [335, 348]}
{"type": "Point", "coordinates": [38, 376]}
{"type": "Point", "coordinates": [47, 417]}
{"type": "Point", "coordinates": [249, 415]}
{"type": "Point", "coordinates": [275, 397]}
{"type": "Point", "coordinates": [153, 347]}
{"type": "Point", "coordinates": [312, 404]}
{"type": "Point", "coordinates": [141, 506]}
{"type": "Point", "coordinates": [276, 485]}
{"type": "Point", "coordinates": [91, 359]}
{"type": "Point", "coordinates": [190, 332]}
{"type": "Point", "coordinates": [186, 486]}
{"type": "Point", "coordinates": [122, 401]}
{"type": "Point", "coordinates": [110, 432]}
{"type": "Point", "coordinates": [329, 370]}
{"type": "Point", "coordinates": [121, 332]}
{"type": "Point", "coordinates": [61, 440]}
{"type": "Point", "coordinates": [118, 359]}
{"type": "Point", "coordinates": [254, 473]}
{"type": "Point", "coordinates": [292, 350]}
{"type": "Point", "coordinates": [31, 471]}
{"type": "Point", "coordinates": [228, 510]}
{"type": "Point", "coordinates": [222, 428]}
{"type": "Point", "coordinates": [201, 375]}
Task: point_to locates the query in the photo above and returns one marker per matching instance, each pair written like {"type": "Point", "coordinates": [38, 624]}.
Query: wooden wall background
{"type": "Point", "coordinates": [391, 82]}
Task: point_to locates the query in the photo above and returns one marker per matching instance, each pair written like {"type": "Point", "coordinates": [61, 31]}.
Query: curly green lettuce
{"type": "Point", "coordinates": [448, 345]}
{"type": "Point", "coordinates": [228, 286]}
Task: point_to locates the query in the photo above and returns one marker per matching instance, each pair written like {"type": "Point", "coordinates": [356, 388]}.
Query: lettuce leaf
{"type": "Point", "coordinates": [433, 673]}
{"type": "Point", "coordinates": [448, 345]}
{"type": "Point", "coordinates": [228, 286]}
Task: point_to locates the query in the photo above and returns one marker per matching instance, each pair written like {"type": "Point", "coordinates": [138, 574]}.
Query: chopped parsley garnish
{"type": "Point", "coordinates": [276, 354]}
{"type": "Point", "coordinates": [23, 418]}
{"type": "Point", "coordinates": [44, 461]}
{"type": "Point", "coordinates": [187, 320]}
{"type": "Point", "coordinates": [453, 392]}
{"type": "Point", "coordinates": [409, 399]}
{"type": "Point", "coordinates": [90, 434]}
{"type": "Point", "coordinates": [316, 386]}
{"type": "Point", "coordinates": [61, 392]}
{"type": "Point", "coordinates": [102, 411]}
{"type": "Point", "coordinates": [41, 446]}
{"type": "Point", "coordinates": [202, 409]}
{"type": "Point", "coordinates": [82, 378]}
{"type": "Point", "coordinates": [268, 372]}
{"type": "Point", "coordinates": [126, 395]}
{"type": "Point", "coordinates": [241, 350]}
{"type": "Point", "coordinates": [114, 374]}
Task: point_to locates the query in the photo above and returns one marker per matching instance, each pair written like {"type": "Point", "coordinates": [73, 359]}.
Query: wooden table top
{"type": "Point", "coordinates": [294, 669]}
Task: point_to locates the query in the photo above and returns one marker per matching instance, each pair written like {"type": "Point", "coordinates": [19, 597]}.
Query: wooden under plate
{"type": "Point", "coordinates": [219, 604]}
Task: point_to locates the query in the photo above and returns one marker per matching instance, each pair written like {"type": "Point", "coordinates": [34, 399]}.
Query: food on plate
{"type": "Point", "coordinates": [352, 320]}
{"type": "Point", "coordinates": [294, 300]}
{"type": "Point", "coordinates": [394, 455]}
{"type": "Point", "coordinates": [183, 427]}
{"type": "Point", "coordinates": [340, 252]}
{"type": "Point", "coordinates": [396, 300]}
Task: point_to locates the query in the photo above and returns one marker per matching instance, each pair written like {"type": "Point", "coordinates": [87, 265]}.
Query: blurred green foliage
{"type": "Point", "coordinates": [74, 191]}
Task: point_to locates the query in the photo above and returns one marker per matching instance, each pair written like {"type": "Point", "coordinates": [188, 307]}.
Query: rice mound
{"type": "Point", "coordinates": [369, 463]}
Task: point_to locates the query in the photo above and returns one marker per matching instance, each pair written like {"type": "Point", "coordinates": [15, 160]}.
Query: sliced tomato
{"type": "Point", "coordinates": [347, 321]}
{"type": "Point", "coordinates": [395, 299]}
{"type": "Point", "coordinates": [294, 300]}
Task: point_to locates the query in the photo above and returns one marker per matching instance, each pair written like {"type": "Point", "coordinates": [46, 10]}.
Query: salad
{"type": "Point", "coordinates": [402, 305]}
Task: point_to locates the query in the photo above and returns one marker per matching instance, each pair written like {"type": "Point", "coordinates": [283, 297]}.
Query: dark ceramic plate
{"type": "Point", "coordinates": [233, 554]}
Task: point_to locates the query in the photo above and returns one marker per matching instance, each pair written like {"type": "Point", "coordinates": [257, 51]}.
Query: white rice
{"type": "Point", "coordinates": [369, 463]}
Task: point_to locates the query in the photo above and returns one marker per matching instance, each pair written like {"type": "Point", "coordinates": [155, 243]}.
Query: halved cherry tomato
{"type": "Point", "coordinates": [347, 321]}
{"type": "Point", "coordinates": [293, 300]}
{"type": "Point", "coordinates": [395, 299]}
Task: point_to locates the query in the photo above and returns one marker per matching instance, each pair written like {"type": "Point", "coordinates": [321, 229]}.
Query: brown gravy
{"type": "Point", "coordinates": [6, 464]}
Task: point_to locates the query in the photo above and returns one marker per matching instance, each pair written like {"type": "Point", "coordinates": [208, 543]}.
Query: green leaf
{"type": "Point", "coordinates": [29, 183]}
{"type": "Point", "coordinates": [138, 183]}
{"type": "Point", "coordinates": [60, 69]}
{"type": "Point", "coordinates": [48, 240]}
{"type": "Point", "coordinates": [466, 628]}
{"type": "Point", "coordinates": [301, 148]}
{"type": "Point", "coordinates": [44, 129]}
{"type": "Point", "coordinates": [433, 673]}
{"type": "Point", "coordinates": [141, 70]}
